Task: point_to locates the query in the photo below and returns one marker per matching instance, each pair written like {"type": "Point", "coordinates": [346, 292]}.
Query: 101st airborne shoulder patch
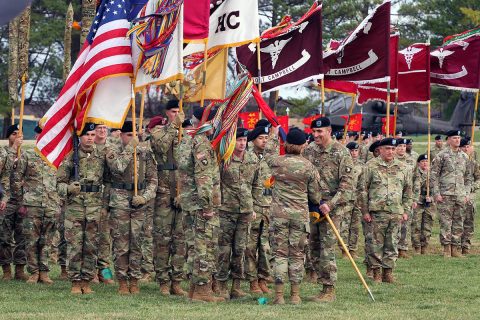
{"type": "Point", "coordinates": [348, 169]}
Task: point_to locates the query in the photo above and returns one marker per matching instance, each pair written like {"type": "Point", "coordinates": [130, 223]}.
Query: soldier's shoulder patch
{"type": "Point", "coordinates": [110, 156]}
{"type": "Point", "coordinates": [204, 162]}
{"type": "Point", "coordinates": [348, 169]}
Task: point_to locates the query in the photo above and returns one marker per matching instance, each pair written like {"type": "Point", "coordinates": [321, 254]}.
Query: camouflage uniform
{"type": "Point", "coordinates": [469, 222]}
{"type": "Point", "coordinates": [125, 221]}
{"type": "Point", "coordinates": [83, 211]}
{"type": "Point", "coordinates": [349, 225]}
{"type": "Point", "coordinates": [434, 151]}
{"type": "Point", "coordinates": [423, 215]}
{"type": "Point", "coordinates": [363, 153]}
{"type": "Point", "coordinates": [35, 183]}
{"type": "Point", "coordinates": [404, 234]}
{"type": "Point", "coordinates": [240, 183]}
{"type": "Point", "coordinates": [386, 194]}
{"type": "Point", "coordinates": [168, 234]}
{"type": "Point", "coordinates": [146, 239]}
{"type": "Point", "coordinates": [450, 177]}
{"type": "Point", "coordinates": [335, 166]}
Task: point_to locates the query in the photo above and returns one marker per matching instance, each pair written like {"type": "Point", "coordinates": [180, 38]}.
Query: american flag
{"type": "Point", "coordinates": [106, 53]}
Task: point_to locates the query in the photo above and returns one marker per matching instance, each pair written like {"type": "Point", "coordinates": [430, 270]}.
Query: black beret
{"type": "Point", "coordinates": [409, 141]}
{"type": "Point", "coordinates": [114, 129]}
{"type": "Point", "coordinates": [401, 141]}
{"type": "Point", "coordinates": [89, 126]}
{"type": "Point", "coordinates": [127, 127]}
{"type": "Point", "coordinates": [422, 157]}
{"type": "Point", "coordinates": [263, 123]}
{"type": "Point", "coordinates": [352, 146]}
{"type": "Point", "coordinates": [320, 123]}
{"type": "Point", "coordinates": [438, 137]}
{"type": "Point", "coordinates": [296, 136]}
{"type": "Point", "coordinates": [374, 134]}
{"type": "Point", "coordinates": [242, 133]}
{"type": "Point", "coordinates": [198, 113]}
{"type": "Point", "coordinates": [389, 142]}
{"type": "Point", "coordinates": [374, 146]}
{"type": "Point", "coordinates": [252, 135]}
{"type": "Point", "coordinates": [453, 133]}
{"type": "Point", "coordinates": [464, 142]}
{"type": "Point", "coordinates": [37, 129]}
{"type": "Point", "coordinates": [187, 123]}
{"type": "Point", "coordinates": [352, 134]}
{"type": "Point", "coordinates": [338, 135]}
{"type": "Point", "coordinates": [172, 104]}
{"type": "Point", "coordinates": [11, 129]}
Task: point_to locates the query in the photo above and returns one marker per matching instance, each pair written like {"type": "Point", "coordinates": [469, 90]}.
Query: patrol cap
{"type": "Point", "coordinates": [187, 123]}
{"type": "Point", "coordinates": [11, 129]}
{"type": "Point", "coordinates": [453, 133]}
{"type": "Point", "coordinates": [242, 133]}
{"type": "Point", "coordinates": [172, 104]}
{"type": "Point", "coordinates": [257, 131]}
{"type": "Point", "coordinates": [127, 127]}
{"type": "Point", "coordinates": [296, 136]}
{"type": "Point", "coordinates": [321, 122]}
{"type": "Point", "coordinates": [388, 142]}
{"type": "Point", "coordinates": [464, 142]}
{"type": "Point", "coordinates": [89, 126]}
{"type": "Point", "coordinates": [263, 123]}
{"type": "Point", "coordinates": [157, 121]}
{"type": "Point", "coordinates": [422, 157]}
{"type": "Point", "coordinates": [374, 146]}
{"type": "Point", "coordinates": [352, 146]}
{"type": "Point", "coordinates": [438, 137]}
{"type": "Point", "coordinates": [401, 141]}
{"type": "Point", "coordinates": [198, 113]}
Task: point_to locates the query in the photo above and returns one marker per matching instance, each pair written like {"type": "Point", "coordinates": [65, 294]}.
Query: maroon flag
{"type": "Point", "coordinates": [363, 56]}
{"type": "Point", "coordinates": [292, 57]}
{"type": "Point", "coordinates": [456, 64]}
{"type": "Point", "coordinates": [414, 74]}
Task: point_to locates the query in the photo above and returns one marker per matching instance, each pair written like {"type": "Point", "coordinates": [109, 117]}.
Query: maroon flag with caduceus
{"type": "Point", "coordinates": [414, 74]}
{"type": "Point", "coordinates": [363, 57]}
{"type": "Point", "coordinates": [456, 64]}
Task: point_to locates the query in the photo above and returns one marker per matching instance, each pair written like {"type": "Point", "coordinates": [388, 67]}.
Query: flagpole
{"type": "Point", "coordinates": [22, 106]}
{"type": "Point", "coordinates": [352, 105]}
{"type": "Point", "coordinates": [395, 112]}
{"type": "Point", "coordinates": [322, 84]}
{"type": "Point", "coordinates": [387, 123]}
{"type": "Point", "coordinates": [428, 147]}
{"type": "Point", "coordinates": [204, 76]}
{"type": "Point", "coordinates": [259, 67]}
{"type": "Point", "coordinates": [142, 108]}
{"type": "Point", "coordinates": [134, 130]}
{"type": "Point", "coordinates": [474, 118]}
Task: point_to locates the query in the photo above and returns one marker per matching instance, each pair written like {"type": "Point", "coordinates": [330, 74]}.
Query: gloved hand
{"type": "Point", "coordinates": [73, 188]}
{"type": "Point", "coordinates": [138, 201]}
{"type": "Point", "coordinates": [178, 120]}
{"type": "Point", "coordinates": [134, 142]}
{"type": "Point", "coordinates": [22, 211]}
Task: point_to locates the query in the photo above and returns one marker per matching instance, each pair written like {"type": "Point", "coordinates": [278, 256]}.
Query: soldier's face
{"type": "Point", "coordinates": [101, 131]}
{"type": "Point", "coordinates": [467, 149]}
{"type": "Point", "coordinates": [439, 143]}
{"type": "Point", "coordinates": [454, 141]}
{"type": "Point", "coordinates": [88, 139]}
{"type": "Point", "coordinates": [322, 136]}
{"type": "Point", "coordinates": [126, 137]}
{"type": "Point", "coordinates": [12, 137]}
{"type": "Point", "coordinates": [241, 144]}
{"type": "Point", "coordinates": [401, 149]}
{"type": "Point", "coordinates": [261, 141]}
{"type": "Point", "coordinates": [115, 133]}
{"type": "Point", "coordinates": [171, 114]}
{"type": "Point", "coordinates": [354, 153]}
{"type": "Point", "coordinates": [409, 147]}
{"type": "Point", "coordinates": [387, 153]}
{"type": "Point", "coordinates": [423, 165]}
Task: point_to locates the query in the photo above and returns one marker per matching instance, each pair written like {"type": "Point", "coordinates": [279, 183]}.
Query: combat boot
{"type": "Point", "coordinates": [326, 295]}
{"type": "Point", "coordinates": [20, 272]}
{"type": "Point", "coordinates": [457, 252]}
{"type": "Point", "coordinates": [165, 289]}
{"type": "Point", "coordinates": [210, 292]}
{"type": "Point", "coordinates": [295, 294]}
{"type": "Point", "coordinates": [465, 251]}
{"type": "Point", "coordinates": [447, 251]}
{"type": "Point", "coordinates": [190, 291]}
{"type": "Point", "coordinates": [223, 290]}
{"type": "Point", "coordinates": [262, 284]}
{"type": "Point", "coordinates": [279, 299]}
{"type": "Point", "coordinates": [403, 254]}
{"type": "Point", "coordinates": [44, 278]}
{"type": "Point", "coordinates": [134, 288]}
{"type": "Point", "coordinates": [63, 273]}
{"type": "Point", "coordinates": [95, 279]}
{"type": "Point", "coordinates": [201, 293]}
{"type": "Point", "coordinates": [237, 292]}
{"type": "Point", "coordinates": [353, 253]}
{"type": "Point", "coordinates": [417, 250]}
{"type": "Point", "coordinates": [312, 276]}
{"type": "Point", "coordinates": [177, 290]}
{"type": "Point", "coordinates": [388, 276]}
{"type": "Point", "coordinates": [215, 286]}
{"type": "Point", "coordinates": [369, 273]}
{"type": "Point", "coordinates": [254, 288]}
{"type": "Point", "coordinates": [123, 287]}
{"type": "Point", "coordinates": [33, 278]}
{"type": "Point", "coordinates": [269, 280]}
{"type": "Point", "coordinates": [377, 275]}
{"type": "Point", "coordinates": [423, 250]}
{"type": "Point", "coordinates": [86, 287]}
{"type": "Point", "coordinates": [7, 272]}
{"type": "Point", "coordinates": [76, 287]}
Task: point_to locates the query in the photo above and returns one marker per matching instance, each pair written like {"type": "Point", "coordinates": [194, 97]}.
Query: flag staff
{"type": "Point", "coordinates": [142, 108]}
{"type": "Point", "coordinates": [259, 67]}
{"type": "Point", "coordinates": [428, 146]}
{"type": "Point", "coordinates": [134, 131]}
{"type": "Point", "coordinates": [22, 107]}
{"type": "Point", "coordinates": [352, 105]}
{"type": "Point", "coordinates": [322, 85]}
{"type": "Point", "coordinates": [387, 123]}
{"type": "Point", "coordinates": [23, 45]}
{"type": "Point", "coordinates": [395, 112]}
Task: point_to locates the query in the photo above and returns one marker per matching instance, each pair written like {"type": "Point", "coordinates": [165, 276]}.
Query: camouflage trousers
{"type": "Point", "coordinates": [308, 257]}
{"type": "Point", "coordinates": [126, 226]}
{"type": "Point", "coordinates": [104, 249]}
{"type": "Point", "coordinates": [39, 227]}
{"type": "Point", "coordinates": [322, 247]}
{"type": "Point", "coordinates": [367, 228]}
{"type": "Point", "coordinates": [404, 233]}
{"type": "Point", "coordinates": [147, 239]}
{"type": "Point", "coordinates": [350, 227]}
{"type": "Point", "coordinates": [289, 236]}
{"type": "Point", "coordinates": [422, 224]}
{"type": "Point", "coordinates": [168, 240]}
{"type": "Point", "coordinates": [468, 224]}
{"type": "Point", "coordinates": [232, 242]}
{"type": "Point", "coordinates": [257, 253]}
{"type": "Point", "coordinates": [59, 240]}
{"type": "Point", "coordinates": [12, 238]}
{"type": "Point", "coordinates": [189, 231]}
{"type": "Point", "coordinates": [205, 234]}
{"type": "Point", "coordinates": [82, 234]}
{"type": "Point", "coordinates": [451, 212]}
{"type": "Point", "coordinates": [385, 226]}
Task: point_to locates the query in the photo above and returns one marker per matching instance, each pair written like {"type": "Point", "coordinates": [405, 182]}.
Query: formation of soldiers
{"type": "Point", "coordinates": [159, 203]}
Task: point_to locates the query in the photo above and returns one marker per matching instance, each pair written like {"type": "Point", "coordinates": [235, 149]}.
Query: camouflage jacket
{"type": "Point", "coordinates": [7, 159]}
{"type": "Point", "coordinates": [198, 173]}
{"type": "Point", "coordinates": [385, 186]}
{"type": "Point", "coordinates": [335, 166]}
{"type": "Point", "coordinates": [263, 199]}
{"type": "Point", "coordinates": [363, 152]}
{"type": "Point", "coordinates": [35, 182]}
{"type": "Point", "coordinates": [450, 174]}
{"type": "Point", "coordinates": [408, 161]}
{"type": "Point", "coordinates": [413, 156]}
{"type": "Point", "coordinates": [419, 185]}
{"type": "Point", "coordinates": [474, 170]}
{"type": "Point", "coordinates": [357, 171]}
{"type": "Point", "coordinates": [92, 174]}
{"type": "Point", "coordinates": [164, 141]}
{"type": "Point", "coordinates": [120, 164]}
{"type": "Point", "coordinates": [434, 151]}
{"type": "Point", "coordinates": [240, 183]}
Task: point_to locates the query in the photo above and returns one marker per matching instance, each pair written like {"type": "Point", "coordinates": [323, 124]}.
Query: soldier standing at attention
{"type": "Point", "coordinates": [364, 145]}
{"type": "Point", "coordinates": [437, 147]}
{"type": "Point", "coordinates": [385, 200]}
{"type": "Point", "coordinates": [335, 166]}
{"type": "Point", "coordinates": [127, 210]}
{"type": "Point", "coordinates": [450, 180]}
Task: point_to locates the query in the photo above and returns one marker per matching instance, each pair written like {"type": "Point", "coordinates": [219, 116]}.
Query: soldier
{"type": "Point", "coordinates": [469, 222]}
{"type": "Point", "coordinates": [12, 239]}
{"type": "Point", "coordinates": [437, 147]}
{"type": "Point", "coordinates": [412, 153]}
{"type": "Point", "coordinates": [450, 180]}
{"type": "Point", "coordinates": [335, 166]}
{"type": "Point", "coordinates": [385, 199]}
{"type": "Point", "coordinates": [423, 210]}
{"type": "Point", "coordinates": [168, 234]}
{"type": "Point", "coordinates": [35, 184]}
{"type": "Point", "coordinates": [115, 133]}
{"type": "Point", "coordinates": [398, 134]}
{"type": "Point", "coordinates": [127, 210]}
{"type": "Point", "coordinates": [81, 184]}
{"type": "Point", "coordinates": [376, 136]}
{"type": "Point", "coordinates": [364, 145]}
{"type": "Point", "coordinates": [297, 184]}
{"type": "Point", "coordinates": [352, 136]}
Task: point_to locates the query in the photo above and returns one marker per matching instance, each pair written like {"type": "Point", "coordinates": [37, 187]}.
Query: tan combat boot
{"type": "Point", "coordinates": [465, 251]}
{"type": "Point", "coordinates": [312, 276]}
{"type": "Point", "coordinates": [423, 250]}
{"type": "Point", "coordinates": [165, 289]}
{"type": "Point", "coordinates": [177, 290]}
{"type": "Point", "coordinates": [254, 288]}
{"type": "Point", "coordinates": [388, 276]}
{"type": "Point", "coordinates": [237, 292]}
{"type": "Point", "coordinates": [447, 251]}
{"type": "Point", "coordinates": [211, 293]}
{"type": "Point", "coordinates": [44, 278]}
{"type": "Point", "coordinates": [262, 284]}
{"type": "Point", "coordinates": [223, 290]}
{"type": "Point", "coordinates": [20, 272]}
{"type": "Point", "coordinates": [269, 280]}
{"type": "Point", "coordinates": [457, 252]}
{"type": "Point", "coordinates": [134, 288]}
{"type": "Point", "coordinates": [417, 250]}
{"type": "Point", "coordinates": [33, 278]}
{"type": "Point", "coordinates": [191, 290]}
{"type": "Point", "coordinates": [403, 254]}
{"type": "Point", "coordinates": [86, 287]}
{"type": "Point", "coordinates": [7, 272]}
{"type": "Point", "coordinates": [201, 293]}
{"type": "Point", "coordinates": [377, 275]}
{"type": "Point", "coordinates": [326, 295]}
{"type": "Point", "coordinates": [295, 294]}
{"type": "Point", "coordinates": [279, 299]}
{"type": "Point", "coordinates": [215, 286]}
{"type": "Point", "coordinates": [123, 287]}
{"type": "Point", "coordinates": [369, 273]}
{"type": "Point", "coordinates": [76, 287]}
{"type": "Point", "coordinates": [63, 273]}
{"type": "Point", "coordinates": [353, 253]}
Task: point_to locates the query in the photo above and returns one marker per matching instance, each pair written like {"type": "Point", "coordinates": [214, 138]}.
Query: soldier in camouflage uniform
{"type": "Point", "coordinates": [84, 199]}
{"type": "Point", "coordinates": [450, 181]}
{"type": "Point", "coordinates": [385, 199]}
{"type": "Point", "coordinates": [410, 152]}
{"type": "Point", "coordinates": [423, 209]}
{"type": "Point", "coordinates": [12, 239]}
{"type": "Point", "coordinates": [127, 210]}
{"type": "Point", "coordinates": [364, 145]}
{"type": "Point", "coordinates": [35, 184]}
{"type": "Point", "coordinates": [169, 237]}
{"type": "Point", "coordinates": [240, 183]}
{"type": "Point", "coordinates": [437, 147]}
{"type": "Point", "coordinates": [335, 166]}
